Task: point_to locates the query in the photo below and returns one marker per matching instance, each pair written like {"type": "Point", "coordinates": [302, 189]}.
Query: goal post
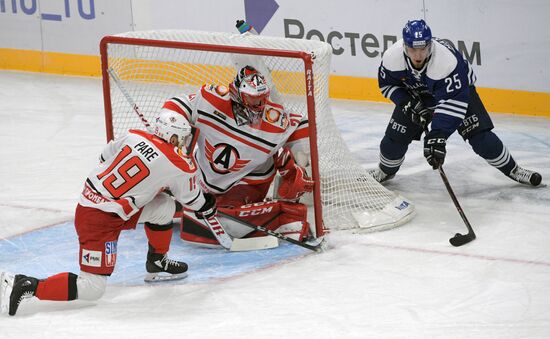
{"type": "Point", "coordinates": [153, 66]}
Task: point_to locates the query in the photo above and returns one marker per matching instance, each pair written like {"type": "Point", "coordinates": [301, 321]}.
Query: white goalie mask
{"type": "Point", "coordinates": [168, 124]}
{"type": "Point", "coordinates": [251, 91]}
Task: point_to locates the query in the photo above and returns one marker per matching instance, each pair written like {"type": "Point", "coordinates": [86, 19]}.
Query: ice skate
{"type": "Point", "coordinates": [525, 176]}
{"type": "Point", "coordinates": [380, 175]}
{"type": "Point", "coordinates": [23, 288]}
{"type": "Point", "coordinates": [6, 285]}
{"type": "Point", "coordinates": [160, 268]}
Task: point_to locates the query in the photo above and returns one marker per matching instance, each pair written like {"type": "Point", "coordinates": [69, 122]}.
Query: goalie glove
{"type": "Point", "coordinates": [295, 181]}
{"type": "Point", "coordinates": [417, 112]}
{"type": "Point", "coordinates": [208, 213]}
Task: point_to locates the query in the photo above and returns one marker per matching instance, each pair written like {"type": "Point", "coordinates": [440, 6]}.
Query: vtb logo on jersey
{"type": "Point", "coordinates": [224, 158]}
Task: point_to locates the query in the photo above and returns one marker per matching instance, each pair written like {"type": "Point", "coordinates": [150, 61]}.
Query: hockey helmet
{"type": "Point", "coordinates": [417, 34]}
{"type": "Point", "coordinates": [251, 91]}
{"type": "Point", "coordinates": [169, 123]}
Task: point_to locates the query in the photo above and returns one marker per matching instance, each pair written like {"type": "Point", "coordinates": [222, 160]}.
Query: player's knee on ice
{"type": "Point", "coordinates": [90, 286]}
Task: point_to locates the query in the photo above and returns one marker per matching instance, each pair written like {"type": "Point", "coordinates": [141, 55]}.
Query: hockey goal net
{"type": "Point", "coordinates": [146, 68]}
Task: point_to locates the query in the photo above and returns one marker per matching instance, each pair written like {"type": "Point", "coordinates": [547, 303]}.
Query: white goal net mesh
{"type": "Point", "coordinates": [150, 75]}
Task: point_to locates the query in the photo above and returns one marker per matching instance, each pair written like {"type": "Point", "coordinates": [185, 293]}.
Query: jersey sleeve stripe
{"type": "Point", "coordinates": [387, 91]}
{"type": "Point", "coordinates": [454, 102]}
{"type": "Point", "coordinates": [451, 108]}
{"type": "Point", "coordinates": [451, 113]}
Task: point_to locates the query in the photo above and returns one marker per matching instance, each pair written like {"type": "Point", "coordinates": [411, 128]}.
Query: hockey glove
{"type": "Point", "coordinates": [208, 213]}
{"type": "Point", "coordinates": [416, 111]}
{"type": "Point", "coordinates": [295, 181]}
{"type": "Point", "coordinates": [209, 208]}
{"type": "Point", "coordinates": [434, 148]}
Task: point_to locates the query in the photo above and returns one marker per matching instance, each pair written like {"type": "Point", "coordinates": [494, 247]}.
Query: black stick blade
{"type": "Point", "coordinates": [462, 239]}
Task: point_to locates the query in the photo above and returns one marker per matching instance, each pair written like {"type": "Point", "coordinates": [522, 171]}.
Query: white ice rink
{"type": "Point", "coordinates": [404, 283]}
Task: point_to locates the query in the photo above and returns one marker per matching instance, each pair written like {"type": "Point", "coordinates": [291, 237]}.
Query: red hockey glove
{"type": "Point", "coordinates": [295, 181]}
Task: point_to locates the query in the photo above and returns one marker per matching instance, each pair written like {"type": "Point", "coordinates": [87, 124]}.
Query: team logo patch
{"type": "Point", "coordinates": [91, 258]}
{"type": "Point", "coordinates": [272, 115]}
{"type": "Point", "coordinates": [110, 253]}
{"type": "Point", "coordinates": [403, 205]}
{"type": "Point", "coordinates": [276, 117]}
{"type": "Point", "coordinates": [222, 90]}
{"type": "Point", "coordinates": [224, 158]}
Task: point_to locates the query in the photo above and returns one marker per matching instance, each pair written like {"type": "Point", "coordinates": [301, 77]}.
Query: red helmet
{"type": "Point", "coordinates": [250, 90]}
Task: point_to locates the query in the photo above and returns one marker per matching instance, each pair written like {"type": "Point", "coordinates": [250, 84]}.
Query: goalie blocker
{"type": "Point", "coordinates": [286, 218]}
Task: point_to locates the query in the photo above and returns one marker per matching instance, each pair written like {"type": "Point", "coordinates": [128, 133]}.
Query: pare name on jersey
{"type": "Point", "coordinates": [148, 152]}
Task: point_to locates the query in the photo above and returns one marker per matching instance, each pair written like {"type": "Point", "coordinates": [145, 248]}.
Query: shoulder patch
{"type": "Point", "coordinates": [276, 117]}
{"type": "Point", "coordinates": [220, 91]}
{"type": "Point", "coordinates": [442, 63]}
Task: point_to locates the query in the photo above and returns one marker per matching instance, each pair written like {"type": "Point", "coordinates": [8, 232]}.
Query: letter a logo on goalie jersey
{"type": "Point", "coordinates": [224, 158]}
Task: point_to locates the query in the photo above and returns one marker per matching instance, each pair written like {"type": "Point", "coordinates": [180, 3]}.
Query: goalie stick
{"type": "Point", "coordinates": [458, 239]}
{"type": "Point", "coordinates": [250, 244]}
{"type": "Point", "coordinates": [320, 247]}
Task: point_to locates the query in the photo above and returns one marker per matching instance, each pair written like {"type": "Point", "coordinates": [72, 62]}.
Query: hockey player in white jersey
{"type": "Point", "coordinates": [126, 187]}
{"type": "Point", "coordinates": [429, 80]}
{"type": "Point", "coordinates": [245, 140]}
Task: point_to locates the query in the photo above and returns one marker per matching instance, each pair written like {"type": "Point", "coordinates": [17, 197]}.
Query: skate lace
{"type": "Point", "coordinates": [522, 175]}
{"type": "Point", "coordinates": [167, 262]}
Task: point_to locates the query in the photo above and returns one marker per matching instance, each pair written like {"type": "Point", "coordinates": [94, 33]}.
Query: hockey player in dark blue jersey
{"type": "Point", "coordinates": [430, 81]}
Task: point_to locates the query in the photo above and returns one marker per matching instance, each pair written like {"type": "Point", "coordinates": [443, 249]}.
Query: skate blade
{"type": "Point", "coordinates": [6, 285]}
{"type": "Point", "coordinates": [162, 276]}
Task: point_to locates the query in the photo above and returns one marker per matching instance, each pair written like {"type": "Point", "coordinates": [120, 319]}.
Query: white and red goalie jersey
{"type": "Point", "coordinates": [134, 169]}
{"type": "Point", "coordinates": [229, 150]}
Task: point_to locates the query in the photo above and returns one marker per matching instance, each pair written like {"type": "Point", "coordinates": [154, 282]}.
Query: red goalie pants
{"type": "Point", "coordinates": [287, 218]}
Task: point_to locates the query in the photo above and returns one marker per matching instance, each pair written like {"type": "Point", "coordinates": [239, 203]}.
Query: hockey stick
{"type": "Point", "coordinates": [129, 99]}
{"type": "Point", "coordinates": [458, 239]}
{"type": "Point", "coordinates": [316, 248]}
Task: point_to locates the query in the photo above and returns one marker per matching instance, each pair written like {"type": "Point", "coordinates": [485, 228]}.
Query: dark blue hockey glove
{"type": "Point", "coordinates": [434, 148]}
{"type": "Point", "coordinates": [416, 111]}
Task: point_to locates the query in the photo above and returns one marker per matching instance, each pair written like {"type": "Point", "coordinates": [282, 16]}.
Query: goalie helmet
{"type": "Point", "coordinates": [417, 34]}
{"type": "Point", "coordinates": [169, 123]}
{"type": "Point", "coordinates": [251, 91]}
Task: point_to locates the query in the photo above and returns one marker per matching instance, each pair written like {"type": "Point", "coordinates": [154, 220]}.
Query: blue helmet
{"type": "Point", "coordinates": [417, 34]}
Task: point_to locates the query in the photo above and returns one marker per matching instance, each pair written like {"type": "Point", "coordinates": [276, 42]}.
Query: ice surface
{"type": "Point", "coordinates": [404, 283]}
